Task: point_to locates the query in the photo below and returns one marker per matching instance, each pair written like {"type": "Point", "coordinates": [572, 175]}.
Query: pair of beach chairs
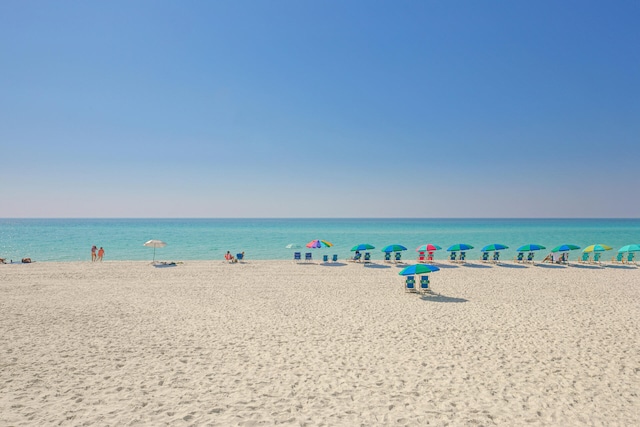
{"type": "Point", "coordinates": [586, 258]}
{"type": "Point", "coordinates": [359, 258]}
{"type": "Point", "coordinates": [486, 258]}
{"type": "Point", "coordinates": [397, 257]}
{"type": "Point", "coordinates": [423, 286]}
{"type": "Point", "coordinates": [454, 257]}
{"type": "Point", "coordinates": [425, 258]}
{"type": "Point", "coordinates": [521, 258]}
{"type": "Point", "coordinates": [297, 256]}
{"type": "Point", "coordinates": [334, 258]}
{"type": "Point", "coordinates": [621, 259]}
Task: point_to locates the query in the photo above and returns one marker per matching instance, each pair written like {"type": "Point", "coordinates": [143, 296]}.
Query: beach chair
{"type": "Point", "coordinates": [421, 257]}
{"type": "Point", "coordinates": [367, 257]}
{"type": "Point", "coordinates": [308, 257]}
{"type": "Point", "coordinates": [452, 256]}
{"type": "Point", "coordinates": [618, 258]}
{"type": "Point", "coordinates": [519, 257]}
{"type": "Point", "coordinates": [463, 257]}
{"type": "Point", "coordinates": [596, 257]}
{"type": "Point", "coordinates": [334, 258]}
{"type": "Point", "coordinates": [296, 256]}
{"type": "Point", "coordinates": [584, 257]}
{"type": "Point", "coordinates": [410, 284]}
{"type": "Point", "coordinates": [398, 256]}
{"type": "Point", "coordinates": [530, 257]}
{"type": "Point", "coordinates": [424, 284]}
{"type": "Point", "coordinates": [240, 257]}
{"type": "Point", "coordinates": [485, 257]}
{"type": "Point", "coordinates": [387, 257]}
{"type": "Point", "coordinates": [430, 257]}
{"type": "Point", "coordinates": [496, 257]}
{"type": "Point", "coordinates": [325, 258]}
{"type": "Point", "coordinates": [356, 257]}
{"type": "Point", "coordinates": [631, 257]}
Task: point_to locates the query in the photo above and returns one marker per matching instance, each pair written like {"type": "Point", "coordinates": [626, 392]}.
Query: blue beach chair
{"type": "Point", "coordinates": [618, 258]}
{"type": "Point", "coordinates": [424, 284]}
{"type": "Point", "coordinates": [584, 257]}
{"type": "Point", "coordinates": [596, 257]}
{"type": "Point", "coordinates": [367, 257]}
{"type": "Point", "coordinates": [496, 257]}
{"type": "Point", "coordinates": [520, 257]}
{"type": "Point", "coordinates": [398, 256]}
{"type": "Point", "coordinates": [296, 256]}
{"type": "Point", "coordinates": [452, 256]}
{"type": "Point", "coordinates": [485, 257]}
{"type": "Point", "coordinates": [387, 256]}
{"type": "Point", "coordinates": [410, 284]}
{"type": "Point", "coordinates": [334, 258]}
{"type": "Point", "coordinates": [325, 258]}
{"type": "Point", "coordinates": [308, 257]}
{"type": "Point", "coordinates": [630, 258]}
{"type": "Point", "coordinates": [530, 256]}
{"type": "Point", "coordinates": [463, 257]}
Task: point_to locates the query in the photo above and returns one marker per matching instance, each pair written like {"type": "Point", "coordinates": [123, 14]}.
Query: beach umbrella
{"type": "Point", "coordinates": [565, 248]}
{"type": "Point", "coordinates": [418, 269]}
{"type": "Point", "coordinates": [155, 244]}
{"type": "Point", "coordinates": [362, 247]}
{"type": "Point", "coordinates": [629, 248]}
{"type": "Point", "coordinates": [429, 247]}
{"type": "Point", "coordinates": [459, 247]}
{"type": "Point", "coordinates": [394, 248]}
{"type": "Point", "coordinates": [319, 244]}
{"type": "Point", "coordinates": [597, 248]}
{"type": "Point", "coordinates": [494, 247]}
{"type": "Point", "coordinates": [530, 248]}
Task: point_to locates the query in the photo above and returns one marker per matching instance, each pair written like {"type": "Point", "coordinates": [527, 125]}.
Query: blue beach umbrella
{"type": "Point", "coordinates": [362, 247]}
{"type": "Point", "coordinates": [530, 248]}
{"type": "Point", "coordinates": [394, 248]}
{"type": "Point", "coordinates": [494, 247]}
{"type": "Point", "coordinates": [565, 248]}
{"type": "Point", "coordinates": [459, 247]}
{"type": "Point", "coordinates": [629, 248]}
{"type": "Point", "coordinates": [418, 269]}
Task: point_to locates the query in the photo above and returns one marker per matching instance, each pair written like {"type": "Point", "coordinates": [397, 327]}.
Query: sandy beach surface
{"type": "Point", "coordinates": [274, 342]}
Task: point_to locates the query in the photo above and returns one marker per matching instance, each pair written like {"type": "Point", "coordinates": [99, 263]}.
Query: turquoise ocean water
{"type": "Point", "coordinates": [209, 239]}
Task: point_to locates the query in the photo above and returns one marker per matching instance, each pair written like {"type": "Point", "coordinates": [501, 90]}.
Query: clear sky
{"type": "Point", "coordinates": [319, 108]}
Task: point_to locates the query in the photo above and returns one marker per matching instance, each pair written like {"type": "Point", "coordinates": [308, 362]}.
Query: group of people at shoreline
{"type": "Point", "coordinates": [96, 254]}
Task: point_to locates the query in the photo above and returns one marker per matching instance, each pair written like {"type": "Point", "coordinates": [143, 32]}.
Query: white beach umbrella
{"type": "Point", "coordinates": [155, 244]}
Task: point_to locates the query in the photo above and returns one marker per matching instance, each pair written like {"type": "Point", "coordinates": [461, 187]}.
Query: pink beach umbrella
{"type": "Point", "coordinates": [429, 247]}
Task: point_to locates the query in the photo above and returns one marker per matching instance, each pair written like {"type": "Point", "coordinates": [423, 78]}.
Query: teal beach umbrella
{"type": "Point", "coordinates": [629, 248]}
{"type": "Point", "coordinates": [362, 247]}
{"type": "Point", "coordinates": [394, 248]}
{"type": "Point", "coordinates": [530, 248]}
{"type": "Point", "coordinates": [459, 247]}
{"type": "Point", "coordinates": [597, 248]}
{"type": "Point", "coordinates": [494, 247]}
{"type": "Point", "coordinates": [418, 269]}
{"type": "Point", "coordinates": [565, 248]}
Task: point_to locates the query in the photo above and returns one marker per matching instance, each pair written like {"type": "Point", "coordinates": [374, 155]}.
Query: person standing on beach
{"type": "Point", "coordinates": [93, 253]}
{"type": "Point", "coordinates": [100, 254]}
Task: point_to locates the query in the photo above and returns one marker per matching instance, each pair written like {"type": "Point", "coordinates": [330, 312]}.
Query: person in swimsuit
{"type": "Point", "coordinates": [93, 252]}
{"type": "Point", "coordinates": [100, 254]}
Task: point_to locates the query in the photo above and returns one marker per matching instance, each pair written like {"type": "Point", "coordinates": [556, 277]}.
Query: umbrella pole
{"type": "Point", "coordinates": [154, 254]}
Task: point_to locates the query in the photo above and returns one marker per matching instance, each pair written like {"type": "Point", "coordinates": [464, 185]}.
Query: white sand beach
{"type": "Point", "coordinates": [274, 342]}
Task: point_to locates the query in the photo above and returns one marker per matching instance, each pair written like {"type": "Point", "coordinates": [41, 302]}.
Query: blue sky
{"type": "Point", "coordinates": [319, 108]}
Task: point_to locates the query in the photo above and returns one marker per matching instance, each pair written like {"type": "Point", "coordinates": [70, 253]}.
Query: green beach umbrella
{"type": "Point", "coordinates": [530, 248]}
{"type": "Point", "coordinates": [418, 269]}
{"type": "Point", "coordinates": [394, 248]}
{"type": "Point", "coordinates": [494, 247]}
{"type": "Point", "coordinates": [597, 248]}
{"type": "Point", "coordinates": [459, 247]}
{"type": "Point", "coordinates": [629, 248]}
{"type": "Point", "coordinates": [362, 247]}
{"type": "Point", "coordinates": [565, 248]}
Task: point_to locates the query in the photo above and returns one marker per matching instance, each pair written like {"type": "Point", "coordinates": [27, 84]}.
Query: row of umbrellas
{"type": "Point", "coordinates": [430, 247]}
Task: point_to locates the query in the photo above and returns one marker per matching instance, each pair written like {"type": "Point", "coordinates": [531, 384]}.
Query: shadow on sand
{"type": "Point", "coordinates": [551, 265]}
{"type": "Point", "coordinates": [333, 264]}
{"type": "Point", "coordinates": [441, 298]}
{"type": "Point", "coordinates": [505, 265]}
{"type": "Point", "coordinates": [372, 265]}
